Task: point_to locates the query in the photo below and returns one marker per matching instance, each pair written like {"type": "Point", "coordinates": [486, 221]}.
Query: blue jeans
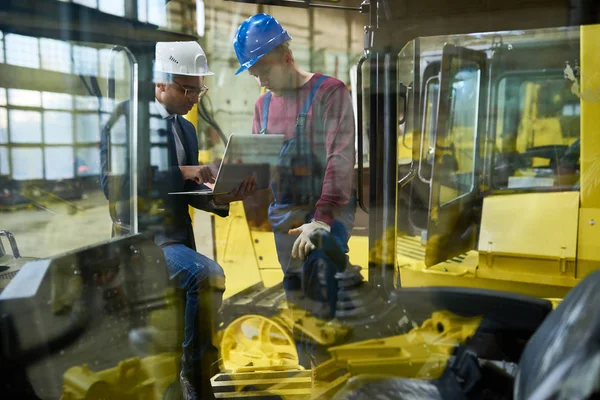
{"type": "Point", "coordinates": [203, 282]}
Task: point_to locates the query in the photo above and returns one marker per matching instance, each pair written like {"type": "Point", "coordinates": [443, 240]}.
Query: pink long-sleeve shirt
{"type": "Point", "coordinates": [330, 121]}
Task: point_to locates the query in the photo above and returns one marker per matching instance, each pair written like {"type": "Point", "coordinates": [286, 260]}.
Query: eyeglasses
{"type": "Point", "coordinates": [193, 94]}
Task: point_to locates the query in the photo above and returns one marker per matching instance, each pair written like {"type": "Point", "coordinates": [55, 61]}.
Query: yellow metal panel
{"type": "Point", "coordinates": [590, 115]}
{"type": "Point", "coordinates": [234, 250]}
{"type": "Point", "coordinates": [271, 277]}
{"type": "Point", "coordinates": [588, 245]}
{"type": "Point", "coordinates": [264, 249]}
{"type": "Point", "coordinates": [531, 224]}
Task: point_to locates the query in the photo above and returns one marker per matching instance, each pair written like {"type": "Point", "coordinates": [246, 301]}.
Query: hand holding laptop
{"type": "Point", "coordinates": [198, 173]}
{"type": "Point", "coordinates": [246, 188]}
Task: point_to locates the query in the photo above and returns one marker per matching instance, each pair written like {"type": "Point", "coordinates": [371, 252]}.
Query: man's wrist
{"type": "Point", "coordinates": [219, 203]}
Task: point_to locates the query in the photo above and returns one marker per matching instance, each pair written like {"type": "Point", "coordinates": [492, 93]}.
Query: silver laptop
{"type": "Point", "coordinates": [245, 156]}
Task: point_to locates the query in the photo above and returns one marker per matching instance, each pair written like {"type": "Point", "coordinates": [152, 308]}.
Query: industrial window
{"type": "Point", "coordinates": [25, 126]}
{"type": "Point", "coordinates": [59, 162]}
{"type": "Point", "coordinates": [22, 51]}
{"type": "Point", "coordinates": [537, 132]}
{"type": "Point", "coordinates": [56, 55]}
{"type": "Point", "coordinates": [27, 163]}
{"type": "Point", "coordinates": [1, 47]}
{"type": "Point", "coordinates": [58, 127]}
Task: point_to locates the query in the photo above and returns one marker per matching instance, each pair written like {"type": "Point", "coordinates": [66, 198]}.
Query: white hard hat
{"type": "Point", "coordinates": [181, 58]}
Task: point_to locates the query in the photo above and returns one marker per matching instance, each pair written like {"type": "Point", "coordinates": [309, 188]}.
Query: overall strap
{"type": "Point", "coordinates": [301, 120]}
{"type": "Point", "coordinates": [265, 118]}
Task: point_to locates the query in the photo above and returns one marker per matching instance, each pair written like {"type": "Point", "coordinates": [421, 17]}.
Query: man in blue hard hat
{"type": "Point", "coordinates": [313, 189]}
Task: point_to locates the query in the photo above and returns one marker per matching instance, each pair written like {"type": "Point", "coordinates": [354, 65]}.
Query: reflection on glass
{"type": "Point", "coordinates": [87, 128]}
{"type": "Point", "coordinates": [22, 51]}
{"type": "Point", "coordinates": [2, 96]}
{"type": "Point", "coordinates": [4, 164]}
{"type": "Point", "coordinates": [87, 161]}
{"type": "Point", "coordinates": [27, 163]}
{"type": "Point", "coordinates": [57, 101]}
{"type": "Point", "coordinates": [59, 162]}
{"type": "Point", "coordinates": [56, 55]}
{"type": "Point", "coordinates": [27, 98]}
{"type": "Point", "coordinates": [58, 127]}
{"type": "Point", "coordinates": [25, 126]}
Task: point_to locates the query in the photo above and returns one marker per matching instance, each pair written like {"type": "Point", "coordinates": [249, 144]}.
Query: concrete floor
{"type": "Point", "coordinates": [60, 227]}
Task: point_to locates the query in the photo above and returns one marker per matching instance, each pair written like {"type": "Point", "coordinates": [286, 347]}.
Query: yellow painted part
{"type": "Point", "coordinates": [359, 253]}
{"type": "Point", "coordinates": [462, 272]}
{"type": "Point", "coordinates": [405, 147]}
{"type": "Point", "coordinates": [421, 353]}
{"type": "Point", "coordinates": [590, 115]}
{"type": "Point", "coordinates": [258, 342]}
{"type": "Point", "coordinates": [131, 379]}
{"type": "Point", "coordinates": [234, 250]}
{"type": "Point", "coordinates": [530, 224]}
{"type": "Point", "coordinates": [588, 245]}
{"type": "Point", "coordinates": [530, 237]}
{"type": "Point", "coordinates": [288, 383]}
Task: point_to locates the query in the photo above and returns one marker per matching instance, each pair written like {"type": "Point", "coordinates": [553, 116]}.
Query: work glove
{"type": "Point", "coordinates": [303, 245]}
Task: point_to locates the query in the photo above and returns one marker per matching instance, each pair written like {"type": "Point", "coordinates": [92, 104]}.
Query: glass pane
{"type": "Point", "coordinates": [22, 51]}
{"type": "Point", "coordinates": [537, 136]}
{"type": "Point", "coordinates": [159, 157]}
{"type": "Point", "coordinates": [115, 7]}
{"type": "Point", "coordinates": [2, 96]}
{"type": "Point", "coordinates": [4, 164]}
{"type": "Point", "coordinates": [3, 127]}
{"type": "Point", "coordinates": [59, 162]}
{"type": "Point", "coordinates": [27, 163]}
{"type": "Point", "coordinates": [1, 47]}
{"type": "Point", "coordinates": [56, 55]}
{"type": "Point", "coordinates": [118, 159]}
{"type": "Point", "coordinates": [27, 98]}
{"type": "Point", "coordinates": [87, 3]}
{"type": "Point", "coordinates": [107, 104]}
{"type": "Point", "coordinates": [87, 127]}
{"type": "Point", "coordinates": [142, 11]}
{"type": "Point", "coordinates": [87, 161]}
{"type": "Point", "coordinates": [458, 158]}
{"type": "Point", "coordinates": [106, 57]}
{"type": "Point", "coordinates": [58, 127]}
{"type": "Point", "coordinates": [86, 60]}
{"type": "Point", "coordinates": [58, 101]}
{"type": "Point", "coordinates": [86, 103]}
{"type": "Point", "coordinates": [25, 126]}
{"type": "Point", "coordinates": [118, 132]}
{"type": "Point", "coordinates": [158, 130]}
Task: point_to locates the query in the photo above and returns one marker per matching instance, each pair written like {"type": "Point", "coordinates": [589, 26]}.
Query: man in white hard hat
{"type": "Point", "coordinates": [180, 68]}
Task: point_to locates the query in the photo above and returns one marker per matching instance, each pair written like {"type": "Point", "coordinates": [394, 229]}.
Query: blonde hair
{"type": "Point", "coordinates": [282, 48]}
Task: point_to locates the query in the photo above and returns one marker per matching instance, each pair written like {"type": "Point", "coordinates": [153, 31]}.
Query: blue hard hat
{"type": "Point", "coordinates": [255, 37]}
